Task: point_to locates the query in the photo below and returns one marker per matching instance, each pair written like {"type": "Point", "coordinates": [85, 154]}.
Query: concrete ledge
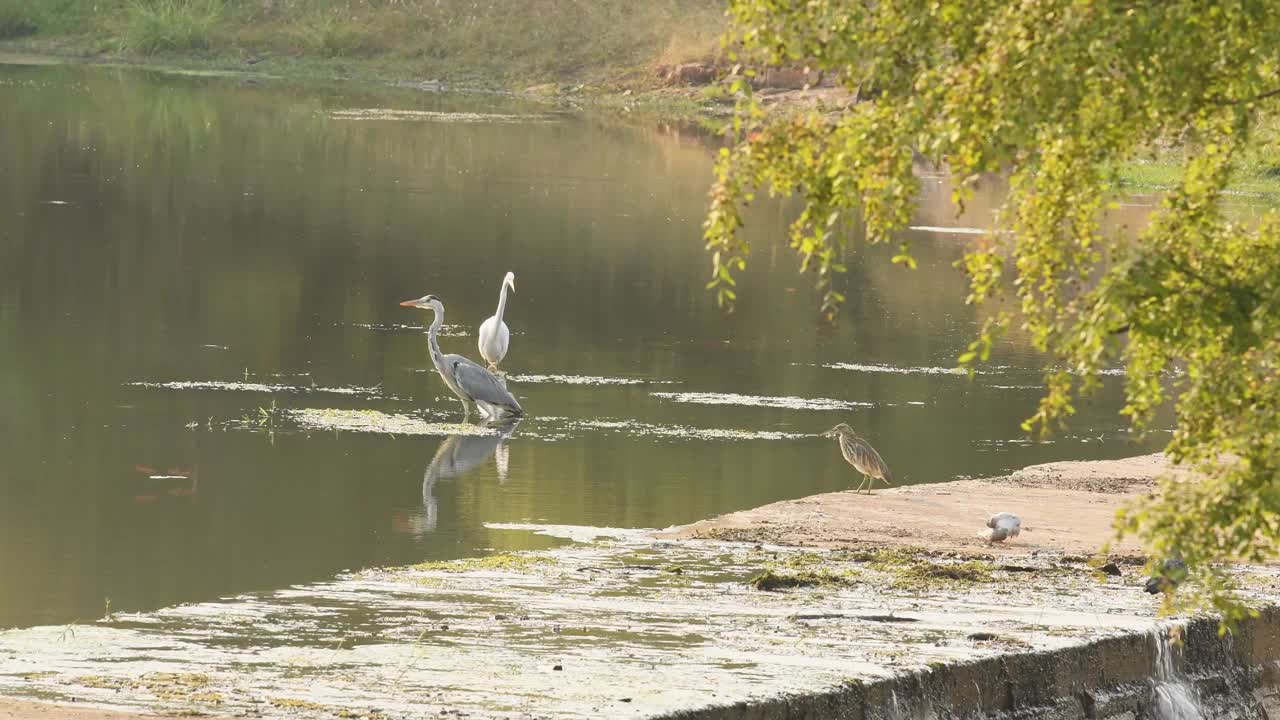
{"type": "Point", "coordinates": [1117, 678]}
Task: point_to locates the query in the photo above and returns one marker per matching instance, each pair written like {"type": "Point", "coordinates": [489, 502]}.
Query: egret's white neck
{"type": "Point", "coordinates": [502, 302]}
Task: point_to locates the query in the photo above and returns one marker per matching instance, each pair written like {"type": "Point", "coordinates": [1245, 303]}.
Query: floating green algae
{"type": "Point", "coordinates": [788, 402]}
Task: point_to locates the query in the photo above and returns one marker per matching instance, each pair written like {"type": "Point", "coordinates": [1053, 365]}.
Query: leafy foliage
{"type": "Point", "coordinates": [1054, 94]}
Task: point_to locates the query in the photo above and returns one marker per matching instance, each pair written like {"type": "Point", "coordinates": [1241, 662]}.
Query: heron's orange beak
{"type": "Point", "coordinates": [408, 303]}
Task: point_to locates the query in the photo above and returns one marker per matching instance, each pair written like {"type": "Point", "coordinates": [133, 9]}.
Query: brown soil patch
{"type": "Point", "coordinates": [11, 709]}
{"type": "Point", "coordinates": [1065, 507]}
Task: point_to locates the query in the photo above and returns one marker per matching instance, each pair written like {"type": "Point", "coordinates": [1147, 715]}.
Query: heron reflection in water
{"type": "Point", "coordinates": [457, 456]}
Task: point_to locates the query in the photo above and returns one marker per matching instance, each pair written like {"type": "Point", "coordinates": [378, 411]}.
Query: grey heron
{"type": "Point", "coordinates": [1004, 525]}
{"type": "Point", "coordinates": [468, 380]}
{"type": "Point", "coordinates": [1172, 572]}
{"type": "Point", "coordinates": [495, 337]}
{"type": "Point", "coordinates": [859, 453]}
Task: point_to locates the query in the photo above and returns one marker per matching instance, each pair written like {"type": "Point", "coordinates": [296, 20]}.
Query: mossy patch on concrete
{"type": "Point", "coordinates": [771, 579]}
{"type": "Point", "coordinates": [296, 704]}
{"type": "Point", "coordinates": [309, 708]}
{"type": "Point", "coordinates": [925, 574]}
{"type": "Point", "coordinates": [501, 562]}
{"type": "Point", "coordinates": [182, 687]}
{"type": "Point", "coordinates": [903, 568]}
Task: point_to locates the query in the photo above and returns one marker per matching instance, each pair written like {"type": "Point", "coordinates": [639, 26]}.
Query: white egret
{"type": "Point", "coordinates": [495, 337]}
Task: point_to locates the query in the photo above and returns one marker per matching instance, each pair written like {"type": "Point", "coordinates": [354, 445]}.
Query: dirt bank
{"type": "Point", "coordinates": [23, 710]}
{"type": "Point", "coordinates": [1066, 507]}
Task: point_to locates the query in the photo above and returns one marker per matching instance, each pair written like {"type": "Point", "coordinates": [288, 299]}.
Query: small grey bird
{"type": "Point", "coordinates": [859, 453]}
{"type": "Point", "coordinates": [1004, 525]}
{"type": "Point", "coordinates": [1175, 571]}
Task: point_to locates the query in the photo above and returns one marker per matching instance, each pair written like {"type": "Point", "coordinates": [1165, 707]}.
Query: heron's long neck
{"type": "Point", "coordinates": [502, 302]}
{"type": "Point", "coordinates": [437, 357]}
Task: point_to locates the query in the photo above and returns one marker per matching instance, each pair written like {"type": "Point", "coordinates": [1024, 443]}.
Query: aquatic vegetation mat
{"type": "Point", "coordinates": [587, 380]}
{"type": "Point", "coordinates": [788, 402]}
{"type": "Point", "coordinates": [935, 370]}
{"type": "Point", "coordinates": [896, 369]}
{"type": "Point", "coordinates": [555, 428]}
{"type": "Point", "coordinates": [253, 387]}
{"type": "Point", "coordinates": [446, 330]}
{"type": "Point", "coordinates": [437, 116]}
{"type": "Point", "coordinates": [373, 421]}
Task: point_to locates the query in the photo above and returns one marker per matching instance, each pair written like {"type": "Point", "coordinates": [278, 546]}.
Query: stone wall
{"type": "Point", "coordinates": [1124, 677]}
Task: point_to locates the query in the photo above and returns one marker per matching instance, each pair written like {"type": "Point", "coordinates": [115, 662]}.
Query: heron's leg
{"type": "Point", "coordinates": [862, 484]}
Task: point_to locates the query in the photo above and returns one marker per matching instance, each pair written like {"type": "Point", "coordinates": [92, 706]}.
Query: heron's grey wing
{"type": "Point", "coordinates": [481, 385]}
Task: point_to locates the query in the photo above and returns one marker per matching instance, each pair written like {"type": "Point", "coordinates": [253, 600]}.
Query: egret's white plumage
{"type": "Point", "coordinates": [1004, 525]}
{"type": "Point", "coordinates": [495, 337]}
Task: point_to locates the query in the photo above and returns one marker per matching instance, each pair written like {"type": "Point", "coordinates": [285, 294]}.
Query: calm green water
{"type": "Point", "coordinates": [160, 228]}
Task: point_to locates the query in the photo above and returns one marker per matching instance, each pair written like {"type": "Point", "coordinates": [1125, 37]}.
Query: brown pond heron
{"type": "Point", "coordinates": [859, 453]}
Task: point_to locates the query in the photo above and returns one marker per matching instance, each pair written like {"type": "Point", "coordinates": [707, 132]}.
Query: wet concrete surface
{"type": "Point", "coordinates": [613, 624]}
{"type": "Point", "coordinates": [1065, 507]}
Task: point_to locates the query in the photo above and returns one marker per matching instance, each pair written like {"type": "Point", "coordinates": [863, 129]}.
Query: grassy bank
{"type": "Point", "coordinates": [493, 43]}
{"type": "Point", "coordinates": [588, 50]}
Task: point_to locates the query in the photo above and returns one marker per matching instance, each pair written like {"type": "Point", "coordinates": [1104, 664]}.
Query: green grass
{"type": "Point", "coordinates": [331, 36]}
{"type": "Point", "coordinates": [16, 19]}
{"type": "Point", "coordinates": [1166, 172]}
{"type": "Point", "coordinates": [1257, 170]}
{"type": "Point", "coordinates": [470, 42]}
{"type": "Point", "coordinates": [154, 26]}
